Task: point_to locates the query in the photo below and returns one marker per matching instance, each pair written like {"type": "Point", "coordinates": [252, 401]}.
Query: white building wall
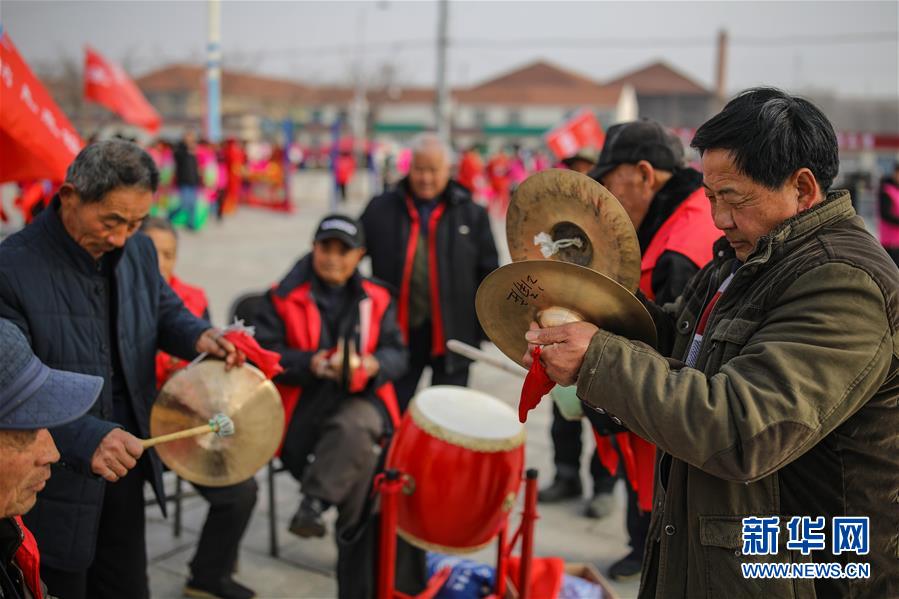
{"type": "Point", "coordinates": [406, 114]}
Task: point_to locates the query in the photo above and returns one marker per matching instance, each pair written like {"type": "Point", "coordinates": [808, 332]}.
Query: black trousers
{"type": "Point", "coordinates": [119, 568]}
{"type": "Point", "coordinates": [419, 357]}
{"type": "Point", "coordinates": [229, 513]}
{"type": "Point", "coordinates": [637, 523]}
{"type": "Point", "coordinates": [567, 448]}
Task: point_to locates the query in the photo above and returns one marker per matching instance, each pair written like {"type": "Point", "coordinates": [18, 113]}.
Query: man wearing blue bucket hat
{"type": "Point", "coordinates": [33, 398]}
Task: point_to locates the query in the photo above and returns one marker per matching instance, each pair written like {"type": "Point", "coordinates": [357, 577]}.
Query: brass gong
{"type": "Point", "coordinates": [194, 395]}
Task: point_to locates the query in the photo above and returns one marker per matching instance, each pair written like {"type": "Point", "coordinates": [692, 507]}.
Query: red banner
{"type": "Point", "coordinates": [581, 131]}
{"type": "Point", "coordinates": [37, 141]}
{"type": "Point", "coordinates": [107, 84]}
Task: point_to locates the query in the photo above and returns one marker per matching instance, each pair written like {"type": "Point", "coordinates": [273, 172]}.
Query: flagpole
{"type": "Point", "coordinates": [214, 72]}
{"type": "Point", "coordinates": [441, 106]}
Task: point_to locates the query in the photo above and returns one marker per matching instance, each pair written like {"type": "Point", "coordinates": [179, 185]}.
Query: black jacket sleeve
{"type": "Point", "coordinates": [670, 276]}
{"type": "Point", "coordinates": [391, 353]}
{"type": "Point", "coordinates": [271, 334]}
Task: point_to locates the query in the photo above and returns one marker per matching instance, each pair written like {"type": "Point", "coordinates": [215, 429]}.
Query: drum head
{"type": "Point", "coordinates": [468, 412]}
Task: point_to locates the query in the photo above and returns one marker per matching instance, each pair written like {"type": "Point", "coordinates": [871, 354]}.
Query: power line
{"type": "Point", "coordinates": [871, 37]}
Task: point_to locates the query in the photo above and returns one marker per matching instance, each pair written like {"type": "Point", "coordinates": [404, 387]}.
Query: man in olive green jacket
{"type": "Point", "coordinates": [774, 391]}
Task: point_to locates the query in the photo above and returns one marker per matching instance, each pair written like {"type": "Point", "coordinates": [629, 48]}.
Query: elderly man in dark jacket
{"type": "Point", "coordinates": [433, 244]}
{"type": "Point", "coordinates": [88, 295]}
{"type": "Point", "coordinates": [773, 396]}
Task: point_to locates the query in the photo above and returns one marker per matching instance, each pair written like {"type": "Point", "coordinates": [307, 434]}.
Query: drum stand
{"type": "Point", "coordinates": [392, 483]}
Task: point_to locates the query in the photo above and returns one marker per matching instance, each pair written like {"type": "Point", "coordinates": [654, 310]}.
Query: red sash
{"type": "Point", "coordinates": [438, 344]}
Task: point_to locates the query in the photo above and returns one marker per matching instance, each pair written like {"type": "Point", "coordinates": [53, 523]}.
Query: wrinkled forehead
{"type": "Point", "coordinates": [128, 202]}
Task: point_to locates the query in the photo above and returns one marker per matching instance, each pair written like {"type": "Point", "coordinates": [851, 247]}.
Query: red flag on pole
{"type": "Point", "coordinates": [580, 131]}
{"type": "Point", "coordinates": [37, 141]}
{"type": "Point", "coordinates": [107, 84]}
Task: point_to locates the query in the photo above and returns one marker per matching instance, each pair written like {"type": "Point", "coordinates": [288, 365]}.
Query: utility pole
{"type": "Point", "coordinates": [721, 67]}
{"type": "Point", "coordinates": [214, 72]}
{"type": "Point", "coordinates": [441, 107]}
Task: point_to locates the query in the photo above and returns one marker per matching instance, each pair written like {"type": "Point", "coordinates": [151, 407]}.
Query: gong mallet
{"type": "Point", "coordinates": [220, 424]}
{"type": "Point", "coordinates": [479, 355]}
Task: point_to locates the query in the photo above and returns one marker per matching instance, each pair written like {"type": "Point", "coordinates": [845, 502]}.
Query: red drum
{"type": "Point", "coordinates": [461, 453]}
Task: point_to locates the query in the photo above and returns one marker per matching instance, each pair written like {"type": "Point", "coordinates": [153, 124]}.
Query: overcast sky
{"type": "Point", "coordinates": [850, 47]}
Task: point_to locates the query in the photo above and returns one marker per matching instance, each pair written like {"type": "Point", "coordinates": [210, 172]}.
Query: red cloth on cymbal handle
{"type": "Point", "coordinates": [536, 385]}
{"type": "Point", "coordinates": [268, 362]}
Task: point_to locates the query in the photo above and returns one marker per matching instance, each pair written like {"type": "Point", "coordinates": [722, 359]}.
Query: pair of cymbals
{"type": "Point", "coordinates": [575, 258]}
{"type": "Point", "coordinates": [197, 393]}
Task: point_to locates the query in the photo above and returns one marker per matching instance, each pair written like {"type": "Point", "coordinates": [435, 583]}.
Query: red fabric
{"type": "Point", "coordinates": [402, 311]}
{"type": "Point", "coordinates": [689, 231]}
{"type": "Point", "coordinates": [471, 169]}
{"type": "Point", "coordinates": [195, 301]}
{"type": "Point", "coordinates": [108, 85]}
{"type": "Point", "coordinates": [29, 561]}
{"type": "Point", "coordinates": [580, 131]}
{"type": "Point", "coordinates": [438, 342]}
{"type": "Point", "coordinates": [344, 168]}
{"type": "Point", "coordinates": [33, 193]}
{"type": "Point", "coordinates": [37, 141]}
{"type": "Point", "coordinates": [268, 362]}
{"type": "Point", "coordinates": [302, 323]}
{"type": "Point", "coordinates": [536, 385]}
{"type": "Point", "coordinates": [547, 574]}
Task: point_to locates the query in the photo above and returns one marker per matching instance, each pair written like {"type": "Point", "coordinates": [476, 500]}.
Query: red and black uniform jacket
{"type": "Point", "coordinates": [461, 252]}
{"type": "Point", "coordinates": [194, 300]}
{"type": "Point", "coordinates": [290, 322]}
{"type": "Point", "coordinates": [676, 239]}
{"type": "Point", "coordinates": [20, 563]}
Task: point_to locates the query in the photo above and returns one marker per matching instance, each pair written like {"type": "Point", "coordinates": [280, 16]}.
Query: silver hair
{"type": "Point", "coordinates": [427, 141]}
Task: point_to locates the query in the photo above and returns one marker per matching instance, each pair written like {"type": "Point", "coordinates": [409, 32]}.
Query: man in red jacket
{"type": "Point", "coordinates": [33, 398]}
{"type": "Point", "coordinates": [341, 350]}
{"type": "Point", "coordinates": [642, 164]}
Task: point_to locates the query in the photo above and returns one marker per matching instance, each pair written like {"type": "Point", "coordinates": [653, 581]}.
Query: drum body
{"type": "Point", "coordinates": [461, 453]}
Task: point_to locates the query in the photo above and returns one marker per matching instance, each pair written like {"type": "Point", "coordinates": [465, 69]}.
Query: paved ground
{"type": "Point", "coordinates": [249, 252]}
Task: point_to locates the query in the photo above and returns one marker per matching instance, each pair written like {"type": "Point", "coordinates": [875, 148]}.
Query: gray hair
{"type": "Point", "coordinates": [107, 165]}
{"type": "Point", "coordinates": [424, 142]}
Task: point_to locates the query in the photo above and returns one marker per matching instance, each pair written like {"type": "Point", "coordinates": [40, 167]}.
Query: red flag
{"type": "Point", "coordinates": [580, 131]}
{"type": "Point", "coordinates": [37, 141]}
{"type": "Point", "coordinates": [107, 84]}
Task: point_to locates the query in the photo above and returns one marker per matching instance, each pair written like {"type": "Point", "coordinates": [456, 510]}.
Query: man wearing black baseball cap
{"type": "Point", "coordinates": [642, 163]}
{"type": "Point", "coordinates": [33, 398]}
{"type": "Point", "coordinates": [341, 348]}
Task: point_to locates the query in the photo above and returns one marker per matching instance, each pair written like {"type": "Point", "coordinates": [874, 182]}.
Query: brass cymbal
{"type": "Point", "coordinates": [568, 205]}
{"type": "Point", "coordinates": [552, 293]}
{"type": "Point", "coordinates": [192, 396]}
